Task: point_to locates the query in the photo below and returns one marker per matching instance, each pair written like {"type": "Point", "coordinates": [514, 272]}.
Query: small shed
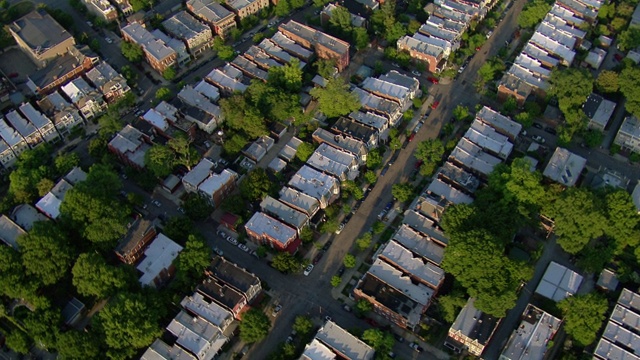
{"type": "Point", "coordinates": [277, 165]}
{"type": "Point", "coordinates": [608, 280]}
{"type": "Point", "coordinates": [72, 312]}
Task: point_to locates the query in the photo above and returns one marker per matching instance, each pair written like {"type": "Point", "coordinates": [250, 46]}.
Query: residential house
{"type": "Point", "coordinates": [325, 188]}
{"type": "Point", "coordinates": [290, 149]}
{"type": "Point", "coordinates": [130, 146]}
{"type": "Point", "coordinates": [244, 8]}
{"type": "Point", "coordinates": [185, 27]}
{"type": "Point", "coordinates": [217, 187]}
{"type": "Point", "coordinates": [389, 90]}
{"type": "Point", "coordinates": [50, 203]}
{"type": "Point", "coordinates": [261, 58]}
{"type": "Point", "coordinates": [340, 156]}
{"type": "Point", "coordinates": [266, 230]}
{"type": "Point", "coordinates": [194, 98]}
{"type": "Point", "coordinates": [26, 216]}
{"type": "Point", "coordinates": [156, 265]}
{"type": "Point", "coordinates": [197, 175]}
{"type": "Point", "coordinates": [61, 70]}
{"type": "Point", "coordinates": [40, 37]}
{"type": "Point", "coordinates": [349, 127]}
{"type": "Point", "coordinates": [564, 167]}
{"type": "Point", "coordinates": [558, 282]}
{"type": "Point", "coordinates": [342, 142]}
{"type": "Point", "coordinates": [584, 9]}
{"type": "Point", "coordinates": [211, 92]}
{"type": "Point", "coordinates": [421, 246]}
{"type": "Point", "coordinates": [26, 129]}
{"type": "Point", "coordinates": [531, 340]}
{"type": "Point", "coordinates": [356, 20]}
{"type": "Point", "coordinates": [64, 115]}
{"type": "Point", "coordinates": [159, 350]}
{"type": "Point", "coordinates": [10, 232]}
{"type": "Point", "coordinates": [382, 106]}
{"type": "Point", "coordinates": [125, 6]}
{"type": "Point", "coordinates": [259, 148]}
{"type": "Point", "coordinates": [110, 83]}
{"type": "Point", "coordinates": [440, 190]}
{"type": "Point", "coordinates": [228, 80]}
{"type": "Point", "coordinates": [87, 99]}
{"type": "Point", "coordinates": [502, 124]}
{"type": "Point", "coordinates": [370, 118]}
{"type": "Point", "coordinates": [224, 295]}
{"type": "Point", "coordinates": [299, 200]}
{"type": "Point", "coordinates": [139, 234]}
{"type": "Point", "coordinates": [183, 56]}
{"type": "Point", "coordinates": [489, 139]}
{"type": "Point", "coordinates": [102, 9]}
{"type": "Point", "coordinates": [42, 123]}
{"type": "Point", "coordinates": [458, 177]}
{"type": "Point", "coordinates": [7, 156]}
{"type": "Point", "coordinates": [598, 111]}
{"type": "Point", "coordinates": [249, 68]}
{"type": "Point", "coordinates": [221, 20]}
{"type": "Point", "coordinates": [284, 213]}
{"type": "Point", "coordinates": [432, 55]}
{"type": "Point", "coordinates": [418, 269]}
{"type": "Point", "coordinates": [248, 284]}
{"type": "Point", "coordinates": [472, 330]}
{"type": "Point", "coordinates": [628, 137]}
{"type": "Point", "coordinates": [622, 334]}
{"type": "Point", "coordinates": [157, 53]}
{"type": "Point", "coordinates": [198, 305]}
{"type": "Point", "coordinates": [471, 157]}
{"type": "Point", "coordinates": [334, 342]}
{"type": "Point", "coordinates": [425, 226]}
{"type": "Point", "coordinates": [16, 144]}
{"type": "Point", "coordinates": [325, 46]}
{"type": "Point", "coordinates": [197, 335]}
{"type": "Point", "coordinates": [283, 49]}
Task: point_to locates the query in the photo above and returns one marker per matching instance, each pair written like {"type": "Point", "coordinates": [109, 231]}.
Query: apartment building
{"type": "Point", "coordinates": [42, 123]}
{"type": "Point", "coordinates": [221, 20]}
{"type": "Point", "coordinates": [334, 342]}
{"type": "Point", "coordinates": [62, 69]}
{"type": "Point", "coordinates": [102, 9]}
{"type": "Point", "coordinates": [217, 187]}
{"type": "Point", "coordinates": [285, 213]}
{"type": "Point", "coordinates": [196, 36]}
{"type": "Point", "coordinates": [621, 337]}
{"type": "Point", "coordinates": [26, 129]}
{"type": "Point", "coordinates": [282, 48]}
{"type": "Point", "coordinates": [157, 53]}
{"type": "Point", "coordinates": [157, 263]}
{"type": "Point", "coordinates": [197, 336]}
{"type": "Point", "coordinates": [472, 330]}
{"type": "Point", "coordinates": [196, 99]}
{"type": "Point", "coordinates": [598, 110]}
{"type": "Point", "coordinates": [342, 142]}
{"type": "Point", "coordinates": [111, 84]}
{"type": "Point", "coordinates": [531, 340]}
{"type": "Point", "coordinates": [299, 200]}
{"type": "Point", "coordinates": [197, 175]}
{"type": "Point", "coordinates": [86, 98]}
{"type": "Point", "coordinates": [502, 124]}
{"type": "Point", "coordinates": [472, 158]}
{"type": "Point", "coordinates": [228, 80]}
{"type": "Point", "coordinates": [7, 156]}
{"type": "Point", "coordinates": [16, 143]}
{"type": "Point", "coordinates": [244, 8]}
{"type": "Point", "coordinates": [325, 188]}
{"type": "Point", "coordinates": [266, 230]}
{"type": "Point", "coordinates": [235, 276]}
{"type": "Point", "coordinates": [325, 46]}
{"type": "Point", "coordinates": [130, 146]}
{"type": "Point", "coordinates": [139, 234]}
{"type": "Point", "coordinates": [379, 105]}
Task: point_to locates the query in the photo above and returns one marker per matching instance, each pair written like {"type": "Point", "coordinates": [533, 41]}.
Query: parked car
{"type": "Point", "coordinates": [371, 322]}
{"type": "Point", "coordinates": [317, 258]}
{"type": "Point", "coordinates": [435, 104]}
{"type": "Point", "coordinates": [327, 245]}
{"type": "Point", "coordinates": [182, 210]}
{"type": "Point", "coordinates": [550, 130]}
{"type": "Point", "coordinates": [433, 80]}
{"type": "Point", "coordinates": [346, 308]}
{"type": "Point", "coordinates": [13, 75]}
{"type": "Point", "coordinates": [384, 170]}
{"type": "Point", "coordinates": [395, 65]}
{"type": "Point", "coordinates": [218, 251]}
{"type": "Point", "coordinates": [223, 162]}
{"type": "Point", "coordinates": [538, 139]}
{"type": "Point", "coordinates": [308, 270]}
{"type": "Point", "coordinates": [341, 270]}
{"type": "Point", "coordinates": [416, 347]}
{"type": "Point", "coordinates": [537, 125]}
{"type": "Point", "coordinates": [340, 228]}
{"type": "Point", "coordinates": [327, 318]}
{"type": "Point", "coordinates": [244, 247]}
{"type": "Point", "coordinates": [413, 135]}
{"type": "Point", "coordinates": [108, 40]}
{"type": "Point", "coordinates": [388, 206]}
{"type": "Point", "coordinates": [461, 69]}
{"type": "Point", "coordinates": [399, 338]}
{"type": "Point", "coordinates": [417, 128]}
{"type": "Point", "coordinates": [232, 240]}
{"type": "Point", "coordinates": [416, 73]}
{"type": "Point", "coordinates": [276, 310]}
{"type": "Point", "coordinates": [156, 203]}
{"type": "Point", "coordinates": [222, 234]}
{"type": "Point", "coordinates": [382, 214]}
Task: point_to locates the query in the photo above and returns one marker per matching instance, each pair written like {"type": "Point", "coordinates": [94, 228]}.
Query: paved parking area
{"type": "Point", "coordinates": [15, 61]}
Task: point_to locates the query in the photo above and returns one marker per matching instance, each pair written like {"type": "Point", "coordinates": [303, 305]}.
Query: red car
{"type": "Point", "coordinates": [618, 57]}
{"type": "Point", "coordinates": [435, 104]}
{"type": "Point", "coordinates": [433, 79]}
{"type": "Point", "coordinates": [372, 322]}
{"type": "Point", "coordinates": [410, 139]}
{"type": "Point", "coordinates": [418, 164]}
{"type": "Point", "coordinates": [13, 75]}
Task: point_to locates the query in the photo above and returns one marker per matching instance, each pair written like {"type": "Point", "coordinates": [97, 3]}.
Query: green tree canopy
{"type": "Point", "coordinates": [304, 151]}
{"type": "Point", "coordinates": [583, 316]}
{"type": "Point", "coordinates": [196, 207]}
{"type": "Point", "coordinates": [533, 13]}
{"type": "Point", "coordinates": [18, 341]}
{"type": "Point", "coordinates": [65, 162]}
{"type": "Point", "coordinates": [254, 326]}
{"type": "Point", "coordinates": [178, 228]}
{"type": "Point", "coordinates": [131, 51]}
{"type": "Point", "coordinates": [363, 306]}
{"type": "Point", "coordinates": [364, 241]}
{"type": "Point", "coordinates": [256, 185]}
{"type": "Point", "coordinates": [380, 340]}
{"type": "Point", "coordinates": [302, 325]}
{"type": "Point", "coordinates": [92, 276]}
{"type": "Point", "coordinates": [240, 115]}
{"type": "Point", "coordinates": [571, 87]}
{"type": "Point", "coordinates": [46, 253]}
{"type": "Point", "coordinates": [622, 219]}
{"type": "Point", "coordinates": [159, 159]}
{"type": "Point", "coordinates": [374, 159]}
{"type": "Point", "coordinates": [169, 73]}
{"type": "Point", "coordinates": [286, 263]}
{"type": "Point", "coordinates": [629, 39]}
{"type": "Point", "coordinates": [607, 81]}
{"type": "Point", "coordinates": [360, 38]}
{"type": "Point", "coordinates": [349, 261]}
{"type": "Point", "coordinates": [193, 259]}
{"type": "Point", "coordinates": [43, 326]}
{"type": "Point", "coordinates": [185, 154]}
{"type": "Point", "coordinates": [76, 345]}
{"type": "Point", "coordinates": [225, 52]}
{"type": "Point", "coordinates": [403, 192]}
{"type": "Point", "coordinates": [629, 82]}
{"type": "Point", "coordinates": [450, 305]}
{"type": "Point", "coordinates": [335, 99]}
{"type": "Point", "coordinates": [430, 151]}
{"type": "Point", "coordinates": [128, 323]}
{"type": "Point", "coordinates": [287, 77]}
{"type": "Point", "coordinates": [336, 281]}
{"type": "Point", "coordinates": [164, 94]}
{"type": "Point", "coordinates": [283, 8]}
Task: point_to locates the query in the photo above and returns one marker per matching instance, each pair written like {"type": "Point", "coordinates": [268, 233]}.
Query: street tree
{"type": "Point", "coordinates": [169, 73]}
{"type": "Point", "coordinates": [129, 322]}
{"type": "Point", "coordinates": [256, 185]}
{"type": "Point", "coordinates": [287, 77]}
{"type": "Point", "coordinates": [131, 51]}
{"type": "Point", "coordinates": [449, 305]}
{"type": "Point", "coordinates": [163, 94]}
{"type": "Point", "coordinates": [336, 281]}
{"type": "Point", "coordinates": [225, 52]}
{"type": "Point", "coordinates": [380, 340]}
{"type": "Point", "coordinates": [607, 82]}
{"type": "Point", "coordinates": [43, 326]}
{"type": "Point", "coordinates": [46, 252]}
{"type": "Point", "coordinates": [178, 228]}
{"type": "Point", "coordinates": [571, 88]}
{"type": "Point", "coordinates": [302, 325]}
{"type": "Point", "coordinates": [329, 226]}
{"type": "Point", "coordinates": [430, 151]}
{"type": "Point", "coordinates": [196, 207]}
{"type": "Point", "coordinates": [403, 192]}
{"type": "Point", "coordinates": [92, 276]}
{"type": "Point", "coordinates": [18, 341]}
{"type": "Point", "coordinates": [286, 263]}
{"type": "Point", "coordinates": [349, 261]}
{"type": "Point", "coordinates": [370, 177]}
{"type": "Point", "coordinates": [76, 345]}
{"type": "Point", "coordinates": [461, 112]}
{"type": "Point", "coordinates": [341, 20]}
{"type": "Point", "coordinates": [193, 259]}
{"type": "Point", "coordinates": [363, 306]}
{"type": "Point", "coordinates": [241, 115]}
{"type": "Point", "coordinates": [629, 81]}
{"type": "Point", "coordinates": [374, 159]}
{"type": "Point", "coordinates": [533, 12]}
{"type": "Point", "coordinates": [254, 326]}
{"type": "Point", "coordinates": [185, 154]}
{"type": "Point", "coordinates": [583, 316]}
{"type": "Point", "coordinates": [360, 38]}
{"type": "Point", "coordinates": [335, 99]}
{"type": "Point", "coordinates": [65, 162]}
{"type": "Point", "coordinates": [234, 144]}
{"type": "Point", "coordinates": [364, 241]}
{"type": "Point", "coordinates": [159, 160]}
{"type": "Point", "coordinates": [304, 151]}
{"type": "Point", "coordinates": [629, 39]}
{"type": "Point", "coordinates": [283, 8]}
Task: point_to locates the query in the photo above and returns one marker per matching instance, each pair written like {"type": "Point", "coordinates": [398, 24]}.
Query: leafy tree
{"type": "Point", "coordinates": [256, 185]}
{"type": "Point", "coordinates": [193, 259]}
{"type": "Point", "coordinates": [164, 94]}
{"type": "Point", "coordinates": [360, 38]}
{"type": "Point", "coordinates": [349, 261]}
{"type": "Point", "coordinates": [46, 252]}
{"type": "Point", "coordinates": [44, 186]}
{"type": "Point", "coordinates": [370, 177]}
{"type": "Point", "coordinates": [522, 187]}
{"type": "Point", "coordinates": [283, 8]}
{"type": "Point", "coordinates": [450, 304]}
{"type": "Point", "coordinates": [403, 192]}
{"type": "Point", "coordinates": [533, 13]}
{"type": "Point", "coordinates": [128, 323]}
{"type": "Point", "coordinates": [336, 281]}
{"type": "Point", "coordinates": [622, 219]}
{"type": "Point", "coordinates": [92, 276]}
{"type": "Point", "coordinates": [254, 326]}
{"type": "Point", "coordinates": [287, 77]}
{"type": "Point", "coordinates": [32, 166]}
{"type": "Point", "coordinates": [320, 3]}
{"type": "Point", "coordinates": [225, 52]}
{"type": "Point", "coordinates": [304, 151]}
{"type": "Point", "coordinates": [374, 159]}
{"type": "Point", "coordinates": [131, 51]}
{"type": "Point", "coordinates": [583, 316]}
{"type": "Point", "coordinates": [14, 282]}
{"type": "Point", "coordinates": [178, 228]}
{"type": "Point", "coordinates": [607, 81]}
{"type": "Point", "coordinates": [234, 144]}
{"type": "Point", "coordinates": [43, 326]}
{"type": "Point", "coordinates": [196, 207]}
{"type": "Point", "coordinates": [129, 74]}
{"type": "Point", "coordinates": [306, 235]}
{"type": "Point", "coordinates": [76, 345]}
{"type": "Point", "coordinates": [302, 325]}
{"type": "Point", "coordinates": [430, 151]}
{"type": "Point", "coordinates": [593, 138]}
{"type": "Point", "coordinates": [169, 73]}
{"type": "Point", "coordinates": [629, 39]}
{"type": "Point", "coordinates": [325, 68]}
{"type": "Point", "coordinates": [341, 20]}
{"type": "Point", "coordinates": [571, 87]}
{"type": "Point", "coordinates": [461, 112]}
{"type": "Point", "coordinates": [240, 115]}
{"type": "Point", "coordinates": [141, 4]}
{"type": "Point", "coordinates": [109, 125]}
{"type": "Point", "coordinates": [378, 227]}
{"type": "Point", "coordinates": [380, 340]}
{"type": "Point", "coordinates": [329, 226]}
{"type": "Point", "coordinates": [286, 263]}
{"type": "Point", "coordinates": [185, 154]}
{"type": "Point", "coordinates": [363, 242]}
{"type": "Point", "coordinates": [19, 342]}
{"type": "Point", "coordinates": [335, 99]}
{"type": "Point", "coordinates": [363, 306]}
{"type": "Point", "coordinates": [159, 159]}
{"type": "Point", "coordinates": [607, 11]}
{"type": "Point", "coordinates": [629, 81]}
{"type": "Point", "coordinates": [65, 162]}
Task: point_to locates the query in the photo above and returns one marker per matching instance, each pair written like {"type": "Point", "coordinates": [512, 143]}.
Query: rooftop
{"type": "Point", "coordinates": [21, 124]}
{"type": "Point", "coordinates": [8, 134]}
{"type": "Point", "coordinates": [376, 103]}
{"type": "Point", "coordinates": [446, 191]}
{"type": "Point", "coordinates": [552, 46]}
{"type": "Point", "coordinates": [199, 173]}
{"type": "Point", "coordinates": [220, 292]}
{"type": "Point", "coordinates": [240, 4]}
{"type": "Point", "coordinates": [421, 245]}
{"type": "Point", "coordinates": [223, 80]}
{"type": "Point", "coordinates": [598, 109]}
{"type": "Point", "coordinates": [39, 31]}
{"type": "Point", "coordinates": [629, 299]}
{"type": "Point", "coordinates": [532, 65]}
{"type": "Point", "coordinates": [561, 25]}
{"type": "Point", "coordinates": [250, 68]}
{"type": "Point", "coordinates": [564, 167]}
{"type": "Point", "coordinates": [283, 212]}
{"type": "Point", "coordinates": [475, 324]}
{"type": "Point", "coordinates": [622, 336]}
{"type": "Point", "coordinates": [371, 119]}
{"type": "Point", "coordinates": [421, 46]}
{"type": "Point", "coordinates": [314, 183]}
{"type": "Point", "coordinates": [210, 10]}
{"type": "Point", "coordinates": [265, 225]}
{"type": "Point", "coordinates": [34, 116]}
{"type": "Point", "coordinates": [159, 256]}
{"type": "Point", "coordinates": [26, 215]}
{"type": "Point", "coordinates": [346, 143]}
{"type": "Point", "coordinates": [566, 15]}
{"type": "Point", "coordinates": [343, 343]}
{"type": "Point", "coordinates": [316, 350]}
{"type": "Point", "coordinates": [184, 26]}
{"type": "Point", "coordinates": [471, 156]}
{"type": "Point", "coordinates": [540, 54]}
{"type": "Point", "coordinates": [288, 152]}
{"type": "Point", "coordinates": [194, 98]}
{"type": "Point", "coordinates": [529, 340]}
{"type": "Point", "coordinates": [10, 231]}
{"type": "Point", "coordinates": [327, 165]}
{"type": "Point", "coordinates": [261, 58]}
{"type": "Point", "coordinates": [489, 139]}
{"type": "Point", "coordinates": [609, 351]}
{"type": "Point", "coordinates": [281, 41]}
{"type": "Point", "coordinates": [196, 335]}
{"type": "Point", "coordinates": [558, 34]}
{"type": "Point", "coordinates": [299, 200]}
{"type": "Point", "coordinates": [232, 274]}
{"type": "Point", "coordinates": [558, 282]}
{"type": "Point", "coordinates": [154, 46]}
{"type": "Point", "coordinates": [207, 309]}
{"type": "Point", "coordinates": [608, 280]}
{"type": "Point", "coordinates": [159, 350]}
{"type": "Point", "coordinates": [216, 181]}
{"type": "Point", "coordinates": [528, 77]}
{"type": "Point", "coordinates": [208, 90]}
{"type": "Point", "coordinates": [457, 176]}
{"type": "Point", "coordinates": [499, 121]}
{"type": "Point", "coordinates": [419, 293]}
{"type": "Point", "coordinates": [415, 266]}
{"type": "Point", "coordinates": [395, 77]}
{"type": "Point", "coordinates": [355, 129]}
{"type": "Point", "coordinates": [76, 89]}
{"type": "Point", "coordinates": [316, 37]}
{"type": "Point", "coordinates": [50, 203]}
{"type": "Point", "coordinates": [391, 298]}
{"type": "Point", "coordinates": [424, 225]}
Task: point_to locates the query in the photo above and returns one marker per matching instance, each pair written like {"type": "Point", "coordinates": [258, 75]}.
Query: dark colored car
{"type": "Point", "coordinates": [618, 57]}
{"type": "Point", "coordinates": [372, 322]}
{"type": "Point", "coordinates": [389, 205]}
{"type": "Point", "coordinates": [537, 126]}
{"type": "Point", "coordinates": [327, 245]}
{"type": "Point", "coordinates": [384, 170]}
{"type": "Point", "coordinates": [318, 257]}
{"type": "Point", "coordinates": [551, 130]}
{"type": "Point", "coordinates": [341, 270]}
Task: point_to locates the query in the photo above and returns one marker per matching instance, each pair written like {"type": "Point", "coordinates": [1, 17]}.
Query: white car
{"type": "Point", "coordinates": [340, 228]}
{"type": "Point", "coordinates": [243, 247]}
{"type": "Point", "coordinates": [108, 40]}
{"type": "Point", "coordinates": [156, 203]}
{"type": "Point", "coordinates": [416, 73]}
{"type": "Point", "coordinates": [232, 240]}
{"type": "Point", "coordinates": [538, 139]}
{"type": "Point", "coordinates": [276, 310]}
{"type": "Point", "coordinates": [308, 270]}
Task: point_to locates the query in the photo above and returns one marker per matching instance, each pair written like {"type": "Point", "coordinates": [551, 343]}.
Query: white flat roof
{"type": "Point", "coordinates": [207, 309]}
{"type": "Point", "coordinates": [547, 29]}
{"type": "Point", "coordinates": [216, 181]}
{"type": "Point", "coordinates": [629, 299]}
{"type": "Point", "coordinates": [558, 282]}
{"type": "Point", "coordinates": [325, 164]}
{"type": "Point", "coordinates": [386, 88]}
{"type": "Point", "coordinates": [472, 156]}
{"type": "Point", "coordinates": [284, 212]}
{"type": "Point", "coordinates": [10, 231]}
{"type": "Point", "coordinates": [299, 200]}
{"type": "Point", "coordinates": [421, 46]}
{"type": "Point", "coordinates": [412, 240]}
{"type": "Point", "coordinates": [620, 335]}
{"type": "Point", "coordinates": [159, 350]}
{"type": "Point", "coordinates": [489, 139]}
{"type": "Point", "coordinates": [313, 182]}
{"type": "Point", "coordinates": [416, 266]}
{"type": "Point", "coordinates": [338, 338]}
{"type": "Point", "coordinates": [375, 102]}
{"type": "Point", "coordinates": [196, 335]}
{"type": "Point", "coordinates": [529, 340]}
{"type": "Point", "coordinates": [199, 173]}
{"type": "Point", "coordinates": [553, 46]}
{"type": "Point", "coordinates": [158, 256]}
{"type": "Point", "coordinates": [540, 54]}
{"type": "Point", "coordinates": [208, 90]}
{"type": "Point", "coordinates": [609, 351]}
{"type": "Point", "coordinates": [316, 350]}
{"type": "Point", "coordinates": [21, 124]}
{"type": "Point", "coordinates": [194, 98]}
{"type": "Point", "coordinates": [419, 293]}
{"type": "Point", "coordinates": [564, 167]}
{"type": "Point", "coordinates": [34, 116]}
{"type": "Point", "coordinates": [532, 64]}
{"type": "Point", "coordinates": [9, 135]}
{"type": "Point", "coordinates": [453, 195]}
{"type": "Point", "coordinates": [156, 119]}
{"type": "Point", "coordinates": [264, 224]}
{"type": "Point", "coordinates": [371, 119]}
